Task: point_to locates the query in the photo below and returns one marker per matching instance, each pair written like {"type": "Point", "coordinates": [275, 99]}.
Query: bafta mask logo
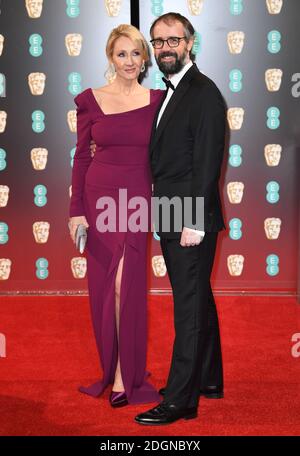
{"type": "Point", "coordinates": [235, 41]}
{"type": "Point", "coordinates": [274, 6]}
{"type": "Point", "coordinates": [5, 267]}
{"type": "Point", "coordinates": [235, 117]}
{"type": "Point", "coordinates": [41, 232]}
{"type": "Point", "coordinates": [34, 8]}
{"type": "Point", "coordinates": [235, 264]}
{"type": "Point", "coordinates": [3, 117]}
{"type": "Point", "coordinates": [4, 192]}
{"type": "Point", "coordinates": [273, 154]}
{"type": "Point", "coordinates": [1, 44]}
{"type": "Point", "coordinates": [273, 78]}
{"type": "Point", "coordinates": [78, 266]}
{"type": "Point", "coordinates": [235, 192]}
{"type": "Point", "coordinates": [272, 227]}
{"type": "Point", "coordinates": [195, 6]}
{"type": "Point", "coordinates": [39, 156]}
{"type": "Point", "coordinates": [73, 42]}
{"type": "Point", "coordinates": [72, 121]}
{"type": "Point", "coordinates": [113, 7]}
{"type": "Point", "coordinates": [36, 82]}
{"type": "Point", "coordinates": [159, 266]}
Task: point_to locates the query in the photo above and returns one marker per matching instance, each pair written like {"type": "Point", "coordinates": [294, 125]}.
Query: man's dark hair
{"type": "Point", "coordinates": [170, 18]}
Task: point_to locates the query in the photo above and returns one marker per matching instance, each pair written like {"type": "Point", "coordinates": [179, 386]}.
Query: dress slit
{"type": "Point", "coordinates": [113, 370]}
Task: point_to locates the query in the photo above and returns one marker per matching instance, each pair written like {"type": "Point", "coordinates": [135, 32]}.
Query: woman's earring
{"type": "Point", "coordinates": [110, 73]}
{"type": "Point", "coordinates": [143, 67]}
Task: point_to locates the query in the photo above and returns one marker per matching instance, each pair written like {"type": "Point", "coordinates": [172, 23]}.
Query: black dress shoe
{"type": "Point", "coordinates": [210, 392]}
{"type": "Point", "coordinates": [165, 413]}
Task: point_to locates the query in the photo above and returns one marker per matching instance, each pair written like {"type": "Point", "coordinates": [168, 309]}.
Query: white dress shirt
{"type": "Point", "coordinates": [175, 79]}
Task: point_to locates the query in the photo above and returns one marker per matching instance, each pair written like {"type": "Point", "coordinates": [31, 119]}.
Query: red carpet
{"type": "Point", "coordinates": [50, 351]}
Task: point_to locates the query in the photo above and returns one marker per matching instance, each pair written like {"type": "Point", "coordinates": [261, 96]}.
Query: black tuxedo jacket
{"type": "Point", "coordinates": [187, 148]}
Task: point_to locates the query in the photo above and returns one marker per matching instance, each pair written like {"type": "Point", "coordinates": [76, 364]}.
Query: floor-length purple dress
{"type": "Point", "coordinates": [121, 161]}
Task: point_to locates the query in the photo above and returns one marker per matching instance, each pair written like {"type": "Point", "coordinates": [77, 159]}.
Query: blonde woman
{"type": "Point", "coordinates": [119, 118]}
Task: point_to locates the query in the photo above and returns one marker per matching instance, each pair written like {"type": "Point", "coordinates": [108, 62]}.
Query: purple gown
{"type": "Point", "coordinates": [121, 160]}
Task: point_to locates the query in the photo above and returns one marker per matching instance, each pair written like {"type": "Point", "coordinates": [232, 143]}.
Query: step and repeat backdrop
{"type": "Point", "coordinates": [51, 50]}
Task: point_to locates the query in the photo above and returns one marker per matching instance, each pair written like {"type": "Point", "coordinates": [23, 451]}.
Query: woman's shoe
{"type": "Point", "coordinates": [118, 399]}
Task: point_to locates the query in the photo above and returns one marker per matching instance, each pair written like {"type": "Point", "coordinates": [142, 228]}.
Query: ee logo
{"type": "Point", "coordinates": [272, 192]}
{"type": "Point", "coordinates": [2, 85]}
{"type": "Point", "coordinates": [235, 80]}
{"type": "Point", "coordinates": [2, 159]}
{"type": "Point", "coordinates": [74, 83]}
{"type": "Point", "coordinates": [273, 120]}
{"type": "Point", "coordinates": [73, 8]}
{"type": "Point", "coordinates": [272, 261]}
{"type": "Point", "coordinates": [3, 233]}
{"type": "Point", "coordinates": [197, 44]}
{"type": "Point", "coordinates": [157, 7]}
{"type": "Point", "coordinates": [236, 7]}
{"type": "Point", "coordinates": [40, 198]}
{"type": "Point", "coordinates": [35, 42]}
{"type": "Point", "coordinates": [38, 124]}
{"type": "Point", "coordinates": [156, 236]}
{"type": "Point", "coordinates": [158, 83]}
{"type": "Point", "coordinates": [274, 44]}
{"type": "Point", "coordinates": [41, 268]}
{"type": "Point", "coordinates": [72, 153]}
{"type": "Point", "coordinates": [235, 226]}
{"type": "Point", "coordinates": [235, 155]}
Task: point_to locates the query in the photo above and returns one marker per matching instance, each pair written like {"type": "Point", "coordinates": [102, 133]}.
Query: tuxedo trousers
{"type": "Point", "coordinates": [197, 359]}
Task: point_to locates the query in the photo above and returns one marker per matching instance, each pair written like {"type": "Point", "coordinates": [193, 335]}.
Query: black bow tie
{"type": "Point", "coordinates": [168, 84]}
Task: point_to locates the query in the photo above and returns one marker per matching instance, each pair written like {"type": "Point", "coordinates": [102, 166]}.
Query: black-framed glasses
{"type": "Point", "coordinates": [173, 41]}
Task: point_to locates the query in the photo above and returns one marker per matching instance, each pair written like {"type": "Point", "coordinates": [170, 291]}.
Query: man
{"type": "Point", "coordinates": [187, 146]}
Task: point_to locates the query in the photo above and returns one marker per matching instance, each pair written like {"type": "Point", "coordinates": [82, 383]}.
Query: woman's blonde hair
{"type": "Point", "coordinates": [130, 32]}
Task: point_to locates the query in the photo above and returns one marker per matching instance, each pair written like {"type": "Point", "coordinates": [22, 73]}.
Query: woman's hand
{"type": "Point", "coordinates": [74, 222]}
{"type": "Point", "coordinates": [93, 148]}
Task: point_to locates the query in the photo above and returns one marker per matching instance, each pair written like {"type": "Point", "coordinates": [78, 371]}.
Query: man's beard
{"type": "Point", "coordinates": [171, 67]}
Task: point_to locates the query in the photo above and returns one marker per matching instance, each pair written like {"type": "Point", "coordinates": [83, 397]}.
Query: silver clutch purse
{"type": "Point", "coordinates": [81, 238]}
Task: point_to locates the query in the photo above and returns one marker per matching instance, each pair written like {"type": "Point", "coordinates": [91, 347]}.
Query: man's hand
{"type": "Point", "coordinates": [92, 148]}
{"type": "Point", "coordinates": [190, 237]}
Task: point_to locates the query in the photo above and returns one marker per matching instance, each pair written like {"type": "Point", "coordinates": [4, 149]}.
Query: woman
{"type": "Point", "coordinates": [118, 117]}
